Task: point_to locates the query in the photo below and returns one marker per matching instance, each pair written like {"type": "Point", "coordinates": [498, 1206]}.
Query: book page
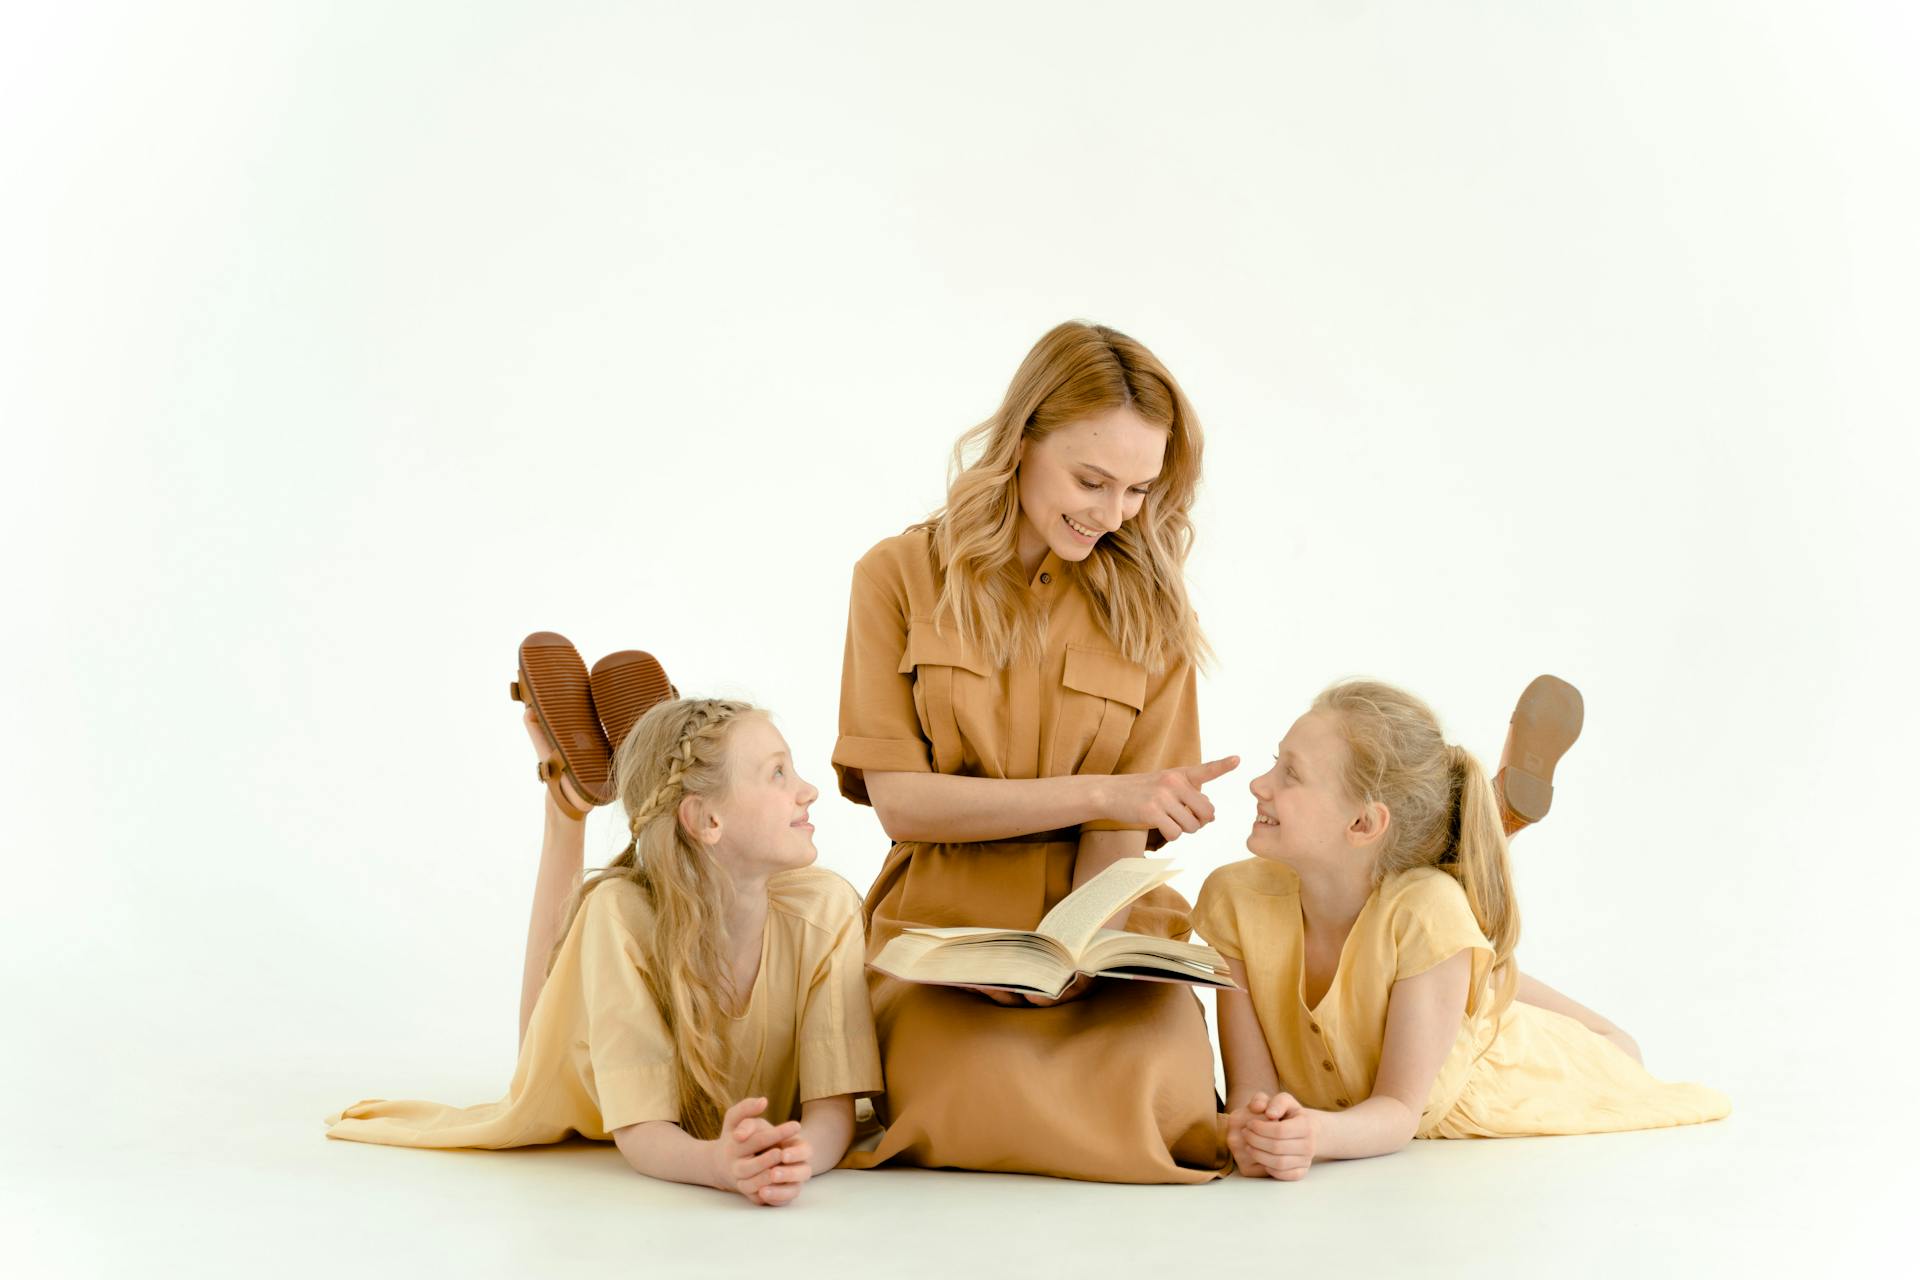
{"type": "Point", "coordinates": [1112, 951]}
{"type": "Point", "coordinates": [1023, 960]}
{"type": "Point", "coordinates": [1079, 915]}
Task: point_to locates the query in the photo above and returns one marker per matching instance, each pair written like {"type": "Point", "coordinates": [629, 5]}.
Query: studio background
{"type": "Point", "coordinates": [341, 346]}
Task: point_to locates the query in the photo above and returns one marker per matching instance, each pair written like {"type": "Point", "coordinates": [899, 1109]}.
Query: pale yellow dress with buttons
{"type": "Point", "coordinates": [1515, 1069]}
{"type": "Point", "coordinates": [597, 1057]}
{"type": "Point", "coordinates": [1116, 1086]}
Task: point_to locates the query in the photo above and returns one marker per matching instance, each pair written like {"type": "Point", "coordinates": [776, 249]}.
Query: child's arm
{"type": "Point", "coordinates": [1250, 1073]}
{"type": "Point", "coordinates": [826, 1130]}
{"type": "Point", "coordinates": [748, 1157]}
{"type": "Point", "coordinates": [1243, 1050]}
{"type": "Point", "coordinates": [1423, 1020]}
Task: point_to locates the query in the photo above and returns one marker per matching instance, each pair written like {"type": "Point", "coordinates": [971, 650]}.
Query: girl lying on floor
{"type": "Point", "coordinates": [706, 1006]}
{"type": "Point", "coordinates": [1374, 936]}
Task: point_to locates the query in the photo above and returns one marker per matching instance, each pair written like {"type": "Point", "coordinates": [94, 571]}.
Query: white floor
{"type": "Point", "coordinates": [233, 1177]}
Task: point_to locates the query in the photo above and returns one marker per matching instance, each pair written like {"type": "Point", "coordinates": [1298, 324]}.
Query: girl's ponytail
{"type": "Point", "coordinates": [1442, 806]}
{"type": "Point", "coordinates": [1479, 858]}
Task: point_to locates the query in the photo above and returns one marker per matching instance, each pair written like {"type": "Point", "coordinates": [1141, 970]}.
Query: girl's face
{"type": "Point", "coordinates": [1305, 817]}
{"type": "Point", "coordinates": [1085, 480]}
{"type": "Point", "coordinates": [760, 826]}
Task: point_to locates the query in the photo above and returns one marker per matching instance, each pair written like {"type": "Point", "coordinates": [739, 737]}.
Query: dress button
{"type": "Point", "coordinates": [1045, 578]}
{"type": "Point", "coordinates": [1328, 1064]}
{"type": "Point", "coordinates": [1314, 1027]}
{"type": "Point", "coordinates": [1339, 1102]}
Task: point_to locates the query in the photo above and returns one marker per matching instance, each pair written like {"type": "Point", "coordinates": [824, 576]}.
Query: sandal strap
{"type": "Point", "coordinates": [551, 772]}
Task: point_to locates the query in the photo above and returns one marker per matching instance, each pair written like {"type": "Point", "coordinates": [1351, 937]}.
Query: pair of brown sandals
{"type": "Point", "coordinates": [586, 715]}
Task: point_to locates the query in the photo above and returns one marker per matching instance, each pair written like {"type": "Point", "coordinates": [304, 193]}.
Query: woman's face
{"type": "Point", "coordinates": [1086, 479]}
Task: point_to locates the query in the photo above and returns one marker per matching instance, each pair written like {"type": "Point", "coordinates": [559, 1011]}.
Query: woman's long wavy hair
{"type": "Point", "coordinates": [1135, 575]}
{"type": "Point", "coordinates": [679, 749]}
{"type": "Point", "coordinates": [1443, 812]}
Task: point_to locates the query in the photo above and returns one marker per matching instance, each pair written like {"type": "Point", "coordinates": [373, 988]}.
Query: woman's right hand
{"type": "Point", "coordinates": [1169, 801]}
{"type": "Point", "coordinates": [750, 1155]}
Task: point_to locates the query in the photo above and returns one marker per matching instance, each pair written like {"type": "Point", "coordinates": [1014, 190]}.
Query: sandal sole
{"type": "Point", "coordinates": [1546, 721]}
{"type": "Point", "coordinates": [553, 682]}
{"type": "Point", "coordinates": [626, 685]}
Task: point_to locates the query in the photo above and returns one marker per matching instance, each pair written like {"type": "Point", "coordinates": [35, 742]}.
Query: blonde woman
{"type": "Point", "coordinates": [1374, 934]}
{"type": "Point", "coordinates": [704, 1007]}
{"type": "Point", "coordinates": [1018, 706]}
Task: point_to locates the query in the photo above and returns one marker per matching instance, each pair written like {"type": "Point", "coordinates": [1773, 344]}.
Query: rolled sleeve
{"type": "Point", "coordinates": [1432, 922]}
{"type": "Point", "coordinates": [628, 1046]}
{"type": "Point", "coordinates": [838, 1051]}
{"type": "Point", "coordinates": [1213, 917]}
{"type": "Point", "coordinates": [879, 728]}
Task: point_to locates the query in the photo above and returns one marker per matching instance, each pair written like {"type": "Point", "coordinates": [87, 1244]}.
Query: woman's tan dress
{"type": "Point", "coordinates": [1116, 1086]}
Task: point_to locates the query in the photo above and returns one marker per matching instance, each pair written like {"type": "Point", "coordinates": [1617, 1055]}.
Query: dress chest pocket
{"type": "Point", "coordinates": [1104, 692]}
{"type": "Point", "coordinates": [943, 670]}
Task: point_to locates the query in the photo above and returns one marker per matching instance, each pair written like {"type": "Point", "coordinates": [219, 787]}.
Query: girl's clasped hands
{"type": "Point", "coordinates": [1272, 1136]}
{"type": "Point", "coordinates": [766, 1163]}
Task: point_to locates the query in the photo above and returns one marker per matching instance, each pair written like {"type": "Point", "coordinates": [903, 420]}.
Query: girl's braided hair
{"type": "Point", "coordinates": [678, 749]}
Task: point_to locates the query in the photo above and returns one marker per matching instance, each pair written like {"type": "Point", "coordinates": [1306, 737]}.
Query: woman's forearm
{"type": "Point", "coordinates": [1379, 1125]}
{"type": "Point", "coordinates": [662, 1149]}
{"type": "Point", "coordinates": [952, 809]}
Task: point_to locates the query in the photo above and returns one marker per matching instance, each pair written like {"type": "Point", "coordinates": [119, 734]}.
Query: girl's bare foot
{"type": "Point", "coordinates": [543, 750]}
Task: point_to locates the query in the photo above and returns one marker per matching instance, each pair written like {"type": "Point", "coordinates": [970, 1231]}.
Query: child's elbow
{"type": "Point", "coordinates": [1409, 1127]}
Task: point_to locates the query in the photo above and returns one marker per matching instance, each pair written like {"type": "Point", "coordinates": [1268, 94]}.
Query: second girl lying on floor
{"type": "Point", "coordinates": [706, 1007]}
{"type": "Point", "coordinates": [1374, 934]}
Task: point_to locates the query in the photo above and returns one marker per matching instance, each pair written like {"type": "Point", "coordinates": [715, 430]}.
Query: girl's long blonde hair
{"type": "Point", "coordinates": [1442, 809]}
{"type": "Point", "coordinates": [678, 749]}
{"type": "Point", "coordinates": [1135, 575]}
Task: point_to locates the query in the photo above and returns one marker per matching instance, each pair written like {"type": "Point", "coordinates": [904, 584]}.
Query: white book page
{"type": "Point", "coordinates": [1079, 915]}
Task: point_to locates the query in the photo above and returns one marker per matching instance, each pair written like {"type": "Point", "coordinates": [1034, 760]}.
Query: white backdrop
{"type": "Point", "coordinates": [342, 345]}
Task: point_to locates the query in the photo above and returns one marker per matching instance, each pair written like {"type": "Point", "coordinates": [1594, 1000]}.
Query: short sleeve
{"type": "Point", "coordinates": [838, 1052]}
{"type": "Point", "coordinates": [879, 728]}
{"type": "Point", "coordinates": [1165, 735]}
{"type": "Point", "coordinates": [1213, 917]}
{"type": "Point", "coordinates": [1431, 922]}
{"type": "Point", "coordinates": [628, 1045]}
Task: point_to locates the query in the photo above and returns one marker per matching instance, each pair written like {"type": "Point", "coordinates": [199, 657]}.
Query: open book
{"type": "Point", "coordinates": [1069, 941]}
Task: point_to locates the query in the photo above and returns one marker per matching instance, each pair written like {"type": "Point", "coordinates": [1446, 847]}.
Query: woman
{"type": "Point", "coordinates": [1018, 707]}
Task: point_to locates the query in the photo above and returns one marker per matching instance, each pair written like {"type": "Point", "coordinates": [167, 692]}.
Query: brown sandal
{"type": "Point", "coordinates": [626, 685]}
{"type": "Point", "coordinates": [1545, 722]}
{"type": "Point", "coordinates": [553, 682]}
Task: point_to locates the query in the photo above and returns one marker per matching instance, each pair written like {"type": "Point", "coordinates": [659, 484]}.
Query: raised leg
{"type": "Point", "coordinates": [563, 851]}
{"type": "Point", "coordinates": [1535, 992]}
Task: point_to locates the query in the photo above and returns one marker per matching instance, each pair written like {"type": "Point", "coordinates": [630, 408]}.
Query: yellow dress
{"type": "Point", "coordinates": [1514, 1069]}
{"type": "Point", "coordinates": [1116, 1086]}
{"type": "Point", "coordinates": [597, 1057]}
